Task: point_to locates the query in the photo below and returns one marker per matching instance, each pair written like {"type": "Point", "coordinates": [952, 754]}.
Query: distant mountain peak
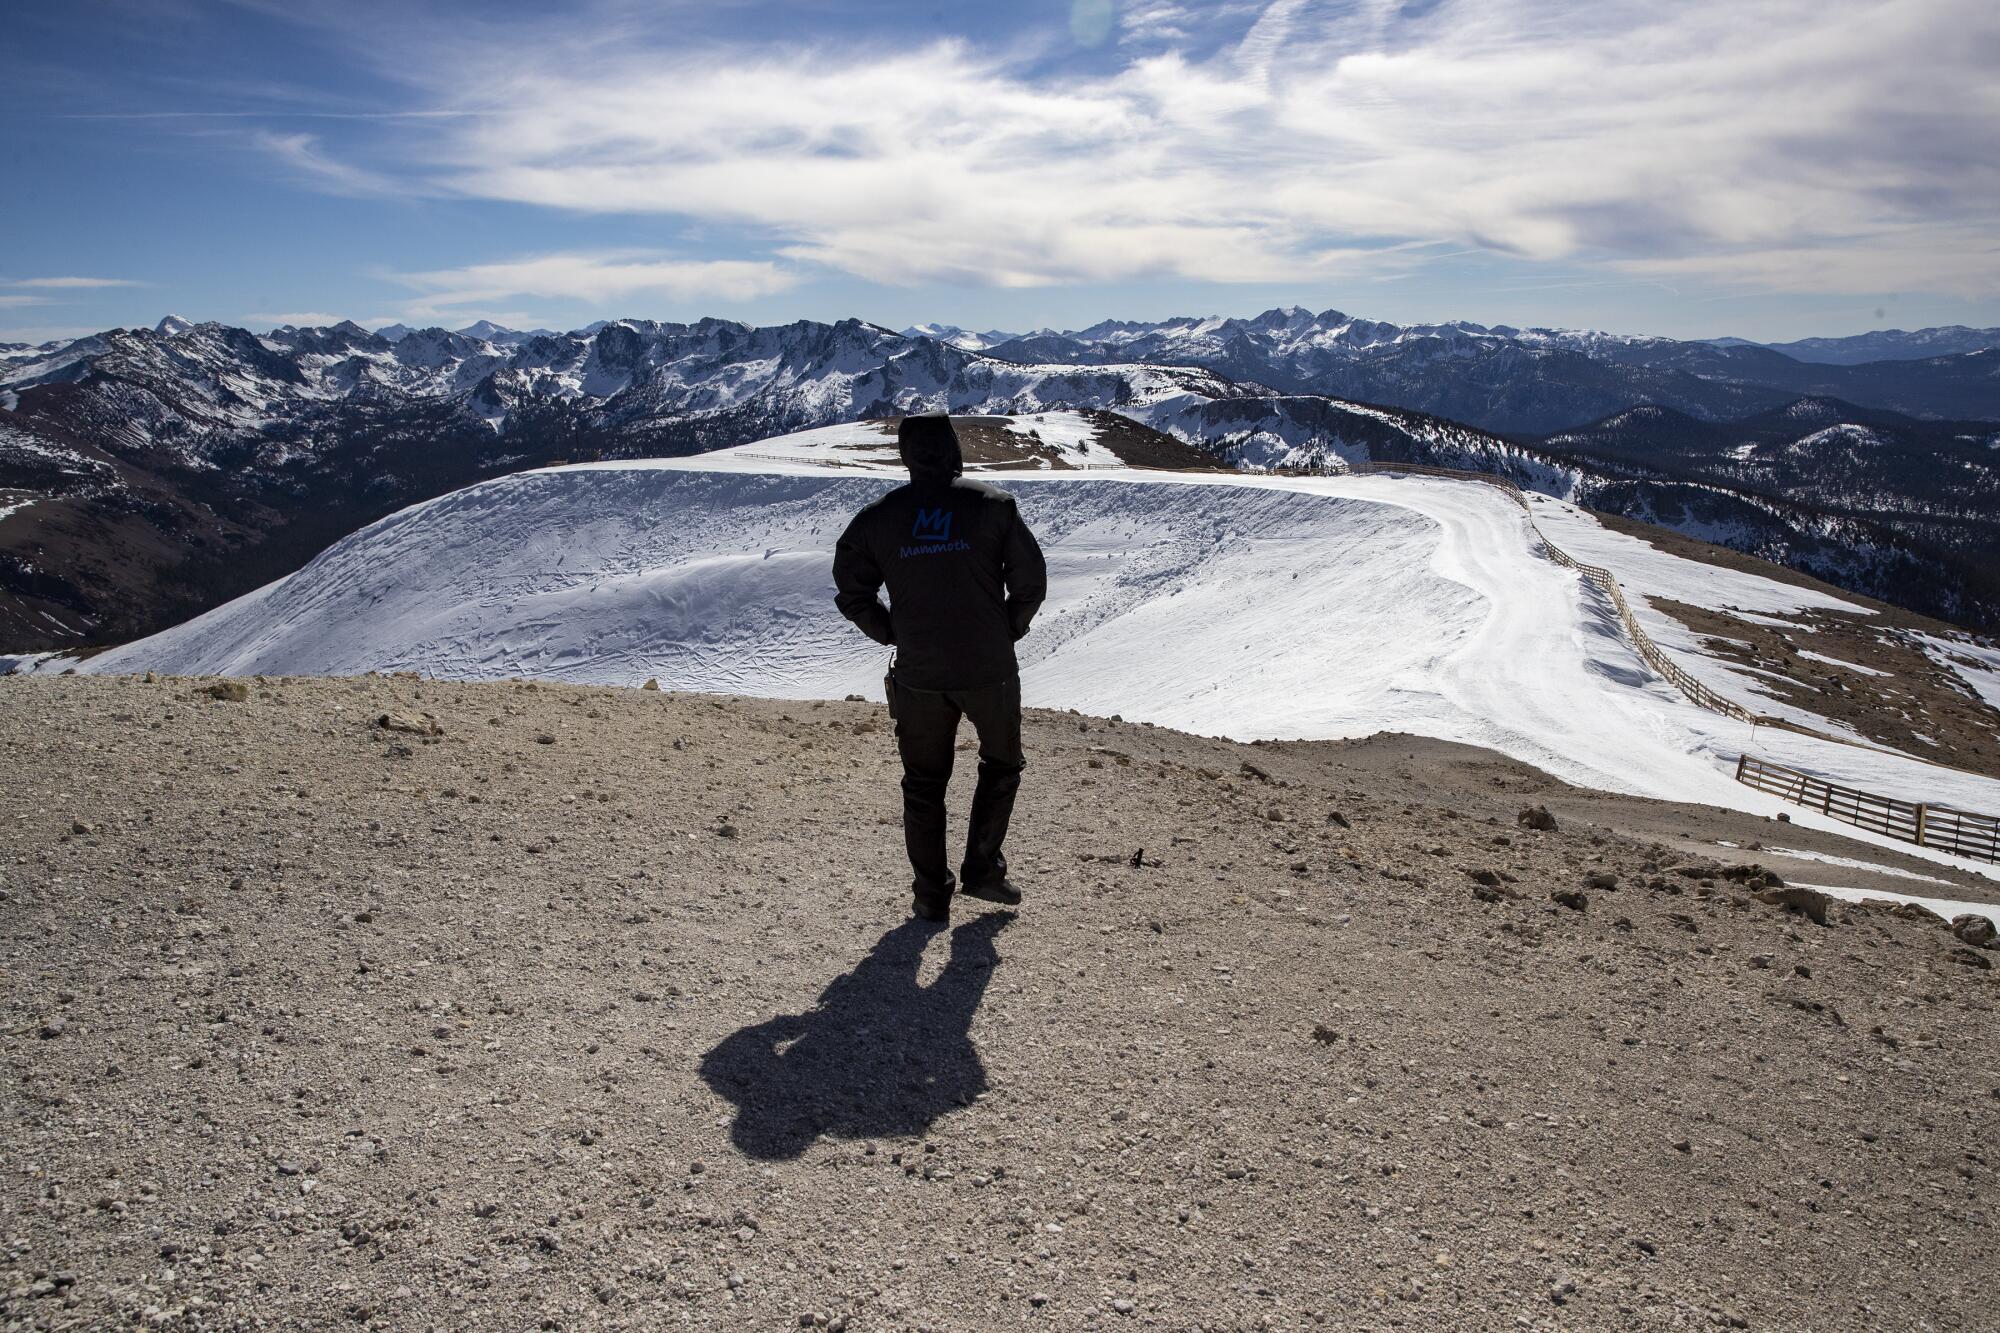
{"type": "Point", "coordinates": [965, 339]}
{"type": "Point", "coordinates": [1889, 345]}
{"type": "Point", "coordinates": [171, 326]}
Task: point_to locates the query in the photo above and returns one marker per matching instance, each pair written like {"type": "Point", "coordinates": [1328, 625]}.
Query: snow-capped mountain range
{"type": "Point", "coordinates": [146, 474]}
{"type": "Point", "coordinates": [1533, 381]}
{"type": "Point", "coordinates": [1890, 345]}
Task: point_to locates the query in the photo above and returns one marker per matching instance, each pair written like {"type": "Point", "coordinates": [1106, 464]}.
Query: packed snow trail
{"type": "Point", "coordinates": [1238, 605]}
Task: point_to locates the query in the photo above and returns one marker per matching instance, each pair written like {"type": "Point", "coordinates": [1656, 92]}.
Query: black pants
{"type": "Point", "coordinates": [927, 734]}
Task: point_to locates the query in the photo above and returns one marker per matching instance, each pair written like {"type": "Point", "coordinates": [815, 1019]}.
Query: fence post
{"type": "Point", "coordinates": [1922, 819]}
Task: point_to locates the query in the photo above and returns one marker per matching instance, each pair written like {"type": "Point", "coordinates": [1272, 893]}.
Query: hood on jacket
{"type": "Point", "coordinates": [929, 447]}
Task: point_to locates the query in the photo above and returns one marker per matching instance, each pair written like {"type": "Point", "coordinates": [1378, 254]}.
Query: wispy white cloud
{"type": "Point", "coordinates": [300, 318]}
{"type": "Point", "coordinates": [45, 333]}
{"type": "Point", "coordinates": [593, 279]}
{"type": "Point", "coordinates": [302, 155]}
{"type": "Point", "coordinates": [1154, 21]}
{"type": "Point", "coordinates": [1260, 46]}
{"type": "Point", "coordinates": [11, 300]}
{"type": "Point", "coordinates": [1794, 144]}
{"type": "Point", "coordinates": [70, 282]}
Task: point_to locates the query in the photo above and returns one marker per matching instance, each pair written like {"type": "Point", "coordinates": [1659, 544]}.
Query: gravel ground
{"type": "Point", "coordinates": [600, 1009]}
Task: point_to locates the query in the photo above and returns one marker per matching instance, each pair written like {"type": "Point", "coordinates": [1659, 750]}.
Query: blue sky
{"type": "Point", "coordinates": [1770, 169]}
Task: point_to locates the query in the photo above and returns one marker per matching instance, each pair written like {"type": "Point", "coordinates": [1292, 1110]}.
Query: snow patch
{"type": "Point", "coordinates": [1977, 664]}
{"type": "Point", "coordinates": [1845, 666]}
{"type": "Point", "coordinates": [1852, 864]}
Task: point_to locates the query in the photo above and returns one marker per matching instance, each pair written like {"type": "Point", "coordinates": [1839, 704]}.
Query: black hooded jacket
{"type": "Point", "coordinates": [964, 573]}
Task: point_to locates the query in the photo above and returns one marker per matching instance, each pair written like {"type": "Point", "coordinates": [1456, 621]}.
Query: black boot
{"type": "Point", "coordinates": [929, 904]}
{"type": "Point", "coordinates": [998, 889]}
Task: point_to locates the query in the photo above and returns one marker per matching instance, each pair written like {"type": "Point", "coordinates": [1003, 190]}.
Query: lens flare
{"type": "Point", "coordinates": [1090, 21]}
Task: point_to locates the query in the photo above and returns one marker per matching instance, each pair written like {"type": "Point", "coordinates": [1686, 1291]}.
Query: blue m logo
{"type": "Point", "coordinates": [932, 525]}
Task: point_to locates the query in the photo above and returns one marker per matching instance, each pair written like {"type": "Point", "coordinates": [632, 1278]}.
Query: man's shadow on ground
{"type": "Point", "coordinates": [877, 1056]}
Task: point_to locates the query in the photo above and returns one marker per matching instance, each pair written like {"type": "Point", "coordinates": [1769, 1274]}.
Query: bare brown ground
{"type": "Point", "coordinates": [313, 1024]}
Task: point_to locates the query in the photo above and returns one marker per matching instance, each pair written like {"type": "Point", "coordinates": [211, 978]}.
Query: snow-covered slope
{"type": "Point", "coordinates": [216, 438]}
{"type": "Point", "coordinates": [1229, 604]}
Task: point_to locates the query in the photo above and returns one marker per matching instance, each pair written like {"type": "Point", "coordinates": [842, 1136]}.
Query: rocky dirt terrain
{"type": "Point", "coordinates": [545, 1007]}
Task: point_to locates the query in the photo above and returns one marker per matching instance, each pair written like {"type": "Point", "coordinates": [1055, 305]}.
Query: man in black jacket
{"type": "Point", "coordinates": [965, 577]}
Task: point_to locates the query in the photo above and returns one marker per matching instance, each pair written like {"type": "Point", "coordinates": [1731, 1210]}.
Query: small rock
{"type": "Point", "coordinates": [228, 691]}
{"type": "Point", "coordinates": [415, 724]}
{"type": "Point", "coordinates": [1574, 899]}
{"type": "Point", "coordinates": [1601, 880]}
{"type": "Point", "coordinates": [545, 739]}
{"type": "Point", "coordinates": [1974, 929]}
{"type": "Point", "coordinates": [652, 683]}
{"type": "Point", "coordinates": [1536, 817]}
{"type": "Point", "coordinates": [1810, 903]}
{"type": "Point", "coordinates": [52, 1029]}
{"type": "Point", "coordinates": [1753, 876]}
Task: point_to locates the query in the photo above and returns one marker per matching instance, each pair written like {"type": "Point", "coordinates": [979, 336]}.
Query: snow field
{"type": "Point", "coordinates": [1245, 606]}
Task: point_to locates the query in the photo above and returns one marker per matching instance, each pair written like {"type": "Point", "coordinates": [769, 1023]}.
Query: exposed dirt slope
{"type": "Point", "coordinates": [600, 1010]}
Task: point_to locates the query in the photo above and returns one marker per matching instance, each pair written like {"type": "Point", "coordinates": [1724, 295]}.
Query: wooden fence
{"type": "Point", "coordinates": [1598, 577]}
{"type": "Point", "coordinates": [1937, 826]}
